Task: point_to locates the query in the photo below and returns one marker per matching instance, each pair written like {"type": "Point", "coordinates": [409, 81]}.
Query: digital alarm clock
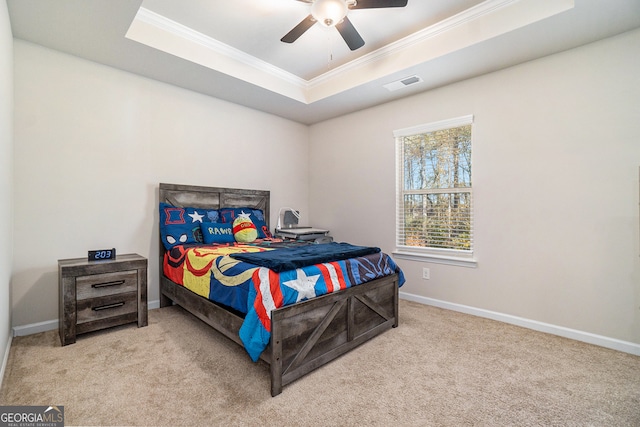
{"type": "Point", "coordinates": [102, 254]}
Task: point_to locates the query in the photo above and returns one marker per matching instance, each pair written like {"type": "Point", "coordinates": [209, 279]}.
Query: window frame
{"type": "Point", "coordinates": [457, 257]}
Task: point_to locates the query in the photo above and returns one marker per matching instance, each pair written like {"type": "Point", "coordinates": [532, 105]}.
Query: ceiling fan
{"type": "Point", "coordinates": [333, 13]}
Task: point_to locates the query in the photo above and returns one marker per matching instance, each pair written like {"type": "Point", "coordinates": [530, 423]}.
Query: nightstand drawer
{"type": "Point", "coordinates": [98, 285]}
{"type": "Point", "coordinates": [92, 309]}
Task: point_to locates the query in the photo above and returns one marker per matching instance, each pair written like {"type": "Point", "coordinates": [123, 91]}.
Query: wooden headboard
{"type": "Point", "coordinates": [215, 197]}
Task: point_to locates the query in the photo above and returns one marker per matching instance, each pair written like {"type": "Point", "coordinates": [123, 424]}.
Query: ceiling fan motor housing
{"type": "Point", "coordinates": [333, 13]}
{"type": "Point", "coordinates": [329, 12]}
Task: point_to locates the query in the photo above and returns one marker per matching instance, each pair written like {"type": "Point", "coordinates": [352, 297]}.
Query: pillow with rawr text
{"type": "Point", "coordinates": [216, 232]}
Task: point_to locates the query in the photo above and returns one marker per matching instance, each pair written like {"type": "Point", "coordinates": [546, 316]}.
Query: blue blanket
{"type": "Point", "coordinates": [286, 259]}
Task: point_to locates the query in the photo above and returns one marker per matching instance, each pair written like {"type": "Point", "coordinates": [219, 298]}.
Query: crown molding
{"type": "Point", "coordinates": [490, 19]}
{"type": "Point", "coordinates": [152, 18]}
{"type": "Point", "coordinates": [432, 31]}
{"type": "Point", "coordinates": [161, 33]}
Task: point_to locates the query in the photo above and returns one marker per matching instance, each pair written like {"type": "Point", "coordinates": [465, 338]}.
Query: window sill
{"type": "Point", "coordinates": [438, 259]}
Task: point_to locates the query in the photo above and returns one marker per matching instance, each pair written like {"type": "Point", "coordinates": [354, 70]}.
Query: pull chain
{"type": "Point", "coordinates": [329, 50]}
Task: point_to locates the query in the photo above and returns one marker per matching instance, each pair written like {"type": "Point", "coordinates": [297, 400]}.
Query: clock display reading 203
{"type": "Point", "coordinates": [102, 254]}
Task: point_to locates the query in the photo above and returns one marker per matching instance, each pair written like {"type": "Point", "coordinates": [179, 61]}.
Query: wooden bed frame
{"type": "Point", "coordinates": [304, 336]}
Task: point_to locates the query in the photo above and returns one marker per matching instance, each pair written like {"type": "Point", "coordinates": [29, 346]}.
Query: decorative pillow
{"type": "Point", "coordinates": [180, 234]}
{"type": "Point", "coordinates": [255, 215]}
{"type": "Point", "coordinates": [217, 232]}
{"type": "Point", "coordinates": [179, 226]}
{"type": "Point", "coordinates": [244, 230]}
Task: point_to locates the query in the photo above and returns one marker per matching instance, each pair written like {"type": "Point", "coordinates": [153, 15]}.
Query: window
{"type": "Point", "coordinates": [434, 194]}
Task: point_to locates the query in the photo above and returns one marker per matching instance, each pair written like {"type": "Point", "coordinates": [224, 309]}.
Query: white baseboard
{"type": "Point", "coordinates": [35, 328]}
{"type": "Point", "coordinates": [50, 325]}
{"type": "Point", "coordinates": [5, 359]}
{"type": "Point", "coordinates": [602, 341]}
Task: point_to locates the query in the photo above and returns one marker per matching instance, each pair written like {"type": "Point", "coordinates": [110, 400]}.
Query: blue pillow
{"type": "Point", "coordinates": [217, 232]}
{"type": "Point", "coordinates": [179, 226]}
{"type": "Point", "coordinates": [180, 234]}
{"type": "Point", "coordinates": [256, 216]}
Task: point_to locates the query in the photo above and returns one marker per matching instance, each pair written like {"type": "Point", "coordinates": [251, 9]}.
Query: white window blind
{"type": "Point", "coordinates": [434, 192]}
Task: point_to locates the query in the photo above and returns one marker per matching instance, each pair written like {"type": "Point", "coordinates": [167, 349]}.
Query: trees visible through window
{"type": "Point", "coordinates": [434, 196]}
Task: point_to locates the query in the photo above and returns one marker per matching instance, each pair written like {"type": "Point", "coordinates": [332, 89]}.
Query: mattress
{"type": "Point", "coordinates": [212, 272]}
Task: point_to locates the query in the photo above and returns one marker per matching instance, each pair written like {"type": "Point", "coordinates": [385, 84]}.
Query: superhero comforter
{"type": "Point", "coordinates": [211, 272]}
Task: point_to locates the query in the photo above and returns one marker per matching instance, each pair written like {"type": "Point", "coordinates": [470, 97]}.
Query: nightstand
{"type": "Point", "coordinates": [96, 295]}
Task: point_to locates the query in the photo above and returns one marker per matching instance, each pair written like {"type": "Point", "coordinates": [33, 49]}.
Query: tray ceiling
{"type": "Point", "coordinates": [232, 49]}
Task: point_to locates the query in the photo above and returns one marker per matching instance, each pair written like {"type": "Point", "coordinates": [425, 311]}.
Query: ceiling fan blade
{"type": "Point", "coordinates": [298, 30]}
{"type": "Point", "coordinates": [372, 4]}
{"type": "Point", "coordinates": [350, 34]}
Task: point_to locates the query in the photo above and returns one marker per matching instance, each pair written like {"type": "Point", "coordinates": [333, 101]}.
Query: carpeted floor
{"type": "Point", "coordinates": [438, 368]}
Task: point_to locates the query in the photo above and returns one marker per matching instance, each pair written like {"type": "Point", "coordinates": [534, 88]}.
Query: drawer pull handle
{"type": "Point", "coordinates": [106, 284]}
{"type": "Point", "coordinates": [108, 306]}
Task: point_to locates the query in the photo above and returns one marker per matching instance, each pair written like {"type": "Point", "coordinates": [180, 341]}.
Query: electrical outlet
{"type": "Point", "coordinates": [426, 274]}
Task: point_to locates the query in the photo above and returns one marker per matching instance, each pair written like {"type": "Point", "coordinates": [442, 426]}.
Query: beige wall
{"type": "Point", "coordinates": [555, 158]}
{"type": "Point", "coordinates": [555, 174]}
{"type": "Point", "coordinates": [6, 155]}
{"type": "Point", "coordinates": [91, 145]}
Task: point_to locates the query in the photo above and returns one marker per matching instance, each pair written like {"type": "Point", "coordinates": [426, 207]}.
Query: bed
{"type": "Point", "coordinates": [303, 336]}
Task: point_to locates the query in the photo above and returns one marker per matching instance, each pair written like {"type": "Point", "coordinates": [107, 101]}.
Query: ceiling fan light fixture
{"type": "Point", "coordinates": [329, 12]}
{"type": "Point", "coordinates": [333, 13]}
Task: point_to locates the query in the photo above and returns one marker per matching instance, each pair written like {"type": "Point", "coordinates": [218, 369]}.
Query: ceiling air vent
{"type": "Point", "coordinates": [402, 83]}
